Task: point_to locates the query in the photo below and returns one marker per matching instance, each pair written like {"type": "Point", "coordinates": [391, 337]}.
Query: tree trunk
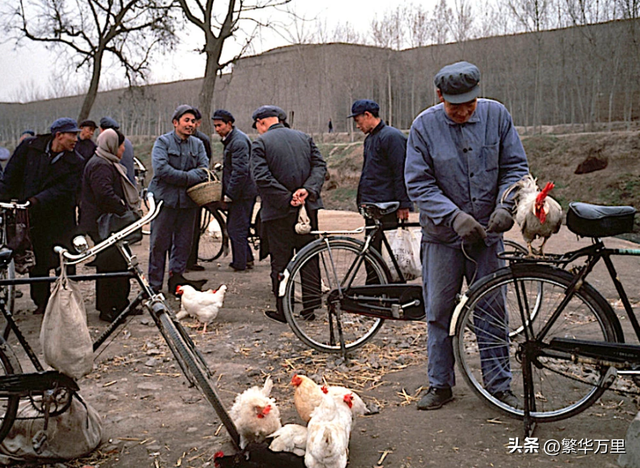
{"type": "Point", "coordinates": [90, 97]}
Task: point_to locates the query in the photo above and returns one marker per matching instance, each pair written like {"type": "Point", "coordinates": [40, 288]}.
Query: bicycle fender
{"type": "Point", "coordinates": [456, 314]}
{"type": "Point", "coordinates": [283, 283]}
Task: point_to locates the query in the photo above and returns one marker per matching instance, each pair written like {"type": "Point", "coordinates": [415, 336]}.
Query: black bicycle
{"type": "Point", "coordinates": [572, 351]}
{"type": "Point", "coordinates": [50, 392]}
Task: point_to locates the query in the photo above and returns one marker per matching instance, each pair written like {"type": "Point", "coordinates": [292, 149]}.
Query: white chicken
{"type": "Point", "coordinates": [255, 414]}
{"type": "Point", "coordinates": [290, 438]}
{"type": "Point", "coordinates": [351, 398]}
{"type": "Point", "coordinates": [537, 214]}
{"type": "Point", "coordinates": [328, 435]}
{"type": "Point", "coordinates": [307, 395]}
{"type": "Point", "coordinates": [202, 305]}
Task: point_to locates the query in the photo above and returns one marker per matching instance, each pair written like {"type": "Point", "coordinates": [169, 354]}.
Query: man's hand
{"type": "Point", "coordinates": [299, 196]}
{"type": "Point", "coordinates": [470, 230]}
{"type": "Point", "coordinates": [403, 214]}
{"type": "Point", "coordinates": [500, 221]}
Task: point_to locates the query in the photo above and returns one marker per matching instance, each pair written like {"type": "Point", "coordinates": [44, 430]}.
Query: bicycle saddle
{"type": "Point", "coordinates": [378, 210]}
{"type": "Point", "coordinates": [589, 220]}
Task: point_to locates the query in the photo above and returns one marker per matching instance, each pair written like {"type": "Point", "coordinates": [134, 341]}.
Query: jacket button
{"type": "Point", "coordinates": [464, 150]}
{"type": "Point", "coordinates": [473, 199]}
{"type": "Point", "coordinates": [471, 175]}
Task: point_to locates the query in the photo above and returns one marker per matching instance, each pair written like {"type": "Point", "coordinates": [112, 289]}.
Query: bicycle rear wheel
{"type": "Point", "coordinates": [9, 365]}
{"type": "Point", "coordinates": [183, 352]}
{"type": "Point", "coordinates": [314, 276]}
{"type": "Point", "coordinates": [491, 361]}
{"type": "Point", "coordinates": [213, 235]}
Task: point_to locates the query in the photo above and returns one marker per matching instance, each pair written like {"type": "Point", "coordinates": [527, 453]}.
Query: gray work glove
{"type": "Point", "coordinates": [500, 221]}
{"type": "Point", "coordinates": [470, 230]}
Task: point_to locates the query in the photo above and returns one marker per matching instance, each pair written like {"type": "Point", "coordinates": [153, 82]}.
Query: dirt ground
{"type": "Point", "coordinates": [153, 419]}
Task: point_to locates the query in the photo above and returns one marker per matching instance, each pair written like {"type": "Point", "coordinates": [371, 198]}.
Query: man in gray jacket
{"type": "Point", "coordinates": [289, 171]}
{"type": "Point", "coordinates": [179, 162]}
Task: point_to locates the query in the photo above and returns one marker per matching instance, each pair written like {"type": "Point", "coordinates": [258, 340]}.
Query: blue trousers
{"type": "Point", "coordinates": [238, 222]}
{"type": "Point", "coordinates": [443, 269]}
{"type": "Point", "coordinates": [171, 233]}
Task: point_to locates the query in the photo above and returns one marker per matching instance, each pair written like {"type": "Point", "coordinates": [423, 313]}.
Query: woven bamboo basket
{"type": "Point", "coordinates": [206, 192]}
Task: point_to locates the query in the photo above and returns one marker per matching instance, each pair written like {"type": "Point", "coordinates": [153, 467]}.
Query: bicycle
{"type": "Point", "coordinates": [8, 271]}
{"type": "Point", "coordinates": [50, 392]}
{"type": "Point", "coordinates": [570, 353]}
{"type": "Point", "coordinates": [349, 287]}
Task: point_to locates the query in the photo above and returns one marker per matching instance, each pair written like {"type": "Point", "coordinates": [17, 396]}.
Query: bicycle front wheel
{"type": "Point", "coordinates": [213, 235]}
{"type": "Point", "coordinates": [491, 361]}
{"type": "Point", "coordinates": [315, 278]}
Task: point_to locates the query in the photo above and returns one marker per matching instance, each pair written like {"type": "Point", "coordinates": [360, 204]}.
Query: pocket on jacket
{"type": "Point", "coordinates": [490, 156]}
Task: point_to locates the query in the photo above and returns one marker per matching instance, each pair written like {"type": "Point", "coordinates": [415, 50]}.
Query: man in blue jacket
{"type": "Point", "coordinates": [179, 162]}
{"type": "Point", "coordinates": [382, 178]}
{"type": "Point", "coordinates": [461, 156]}
{"type": "Point", "coordinates": [289, 171]}
{"type": "Point", "coordinates": [238, 188]}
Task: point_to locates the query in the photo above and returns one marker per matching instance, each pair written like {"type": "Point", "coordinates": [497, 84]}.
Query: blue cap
{"type": "Point", "coordinates": [5, 154]}
{"type": "Point", "coordinates": [458, 82]}
{"type": "Point", "coordinates": [108, 122]}
{"type": "Point", "coordinates": [224, 115]}
{"type": "Point", "coordinates": [185, 109]}
{"type": "Point", "coordinates": [268, 111]}
{"type": "Point", "coordinates": [64, 125]}
{"type": "Point", "coordinates": [363, 105]}
{"type": "Point", "coordinates": [28, 132]}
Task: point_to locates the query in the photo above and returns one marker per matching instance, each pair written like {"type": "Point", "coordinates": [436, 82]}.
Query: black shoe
{"type": "Point", "coordinates": [195, 267]}
{"type": "Point", "coordinates": [40, 309]}
{"type": "Point", "coordinates": [508, 398]}
{"type": "Point", "coordinates": [435, 398]}
{"type": "Point", "coordinates": [308, 315]}
{"type": "Point", "coordinates": [275, 315]}
{"type": "Point", "coordinates": [178, 279]}
{"type": "Point", "coordinates": [250, 265]}
{"type": "Point", "coordinates": [238, 269]}
{"type": "Point", "coordinates": [109, 316]}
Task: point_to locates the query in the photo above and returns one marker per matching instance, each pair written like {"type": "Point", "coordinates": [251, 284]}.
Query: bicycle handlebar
{"type": "Point", "coordinates": [73, 259]}
{"type": "Point", "coordinates": [14, 205]}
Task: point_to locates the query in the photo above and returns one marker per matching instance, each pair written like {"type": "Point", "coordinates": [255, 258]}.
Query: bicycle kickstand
{"type": "Point", "coordinates": [529, 396]}
{"type": "Point", "coordinates": [338, 314]}
{"type": "Point", "coordinates": [40, 438]}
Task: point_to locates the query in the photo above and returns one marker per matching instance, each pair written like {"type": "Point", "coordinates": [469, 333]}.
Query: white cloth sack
{"type": "Point", "coordinates": [303, 226]}
{"type": "Point", "coordinates": [405, 245]}
{"type": "Point", "coordinates": [64, 336]}
{"type": "Point", "coordinates": [72, 434]}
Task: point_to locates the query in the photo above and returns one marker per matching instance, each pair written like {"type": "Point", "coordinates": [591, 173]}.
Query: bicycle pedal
{"type": "Point", "coordinates": [38, 441]}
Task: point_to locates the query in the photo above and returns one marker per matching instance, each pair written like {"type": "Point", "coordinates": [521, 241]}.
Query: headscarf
{"type": "Point", "coordinates": [107, 149]}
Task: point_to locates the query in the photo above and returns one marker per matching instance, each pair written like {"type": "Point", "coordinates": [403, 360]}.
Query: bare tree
{"type": "Point", "coordinates": [389, 31]}
{"type": "Point", "coordinates": [462, 21]}
{"type": "Point", "coordinates": [220, 21]}
{"type": "Point", "coordinates": [90, 30]}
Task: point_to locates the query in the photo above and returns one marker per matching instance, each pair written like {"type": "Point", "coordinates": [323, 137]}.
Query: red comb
{"type": "Point", "coordinates": [324, 389]}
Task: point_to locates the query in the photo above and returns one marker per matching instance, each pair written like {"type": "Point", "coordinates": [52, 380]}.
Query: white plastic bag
{"type": "Point", "coordinates": [303, 226]}
{"type": "Point", "coordinates": [64, 336]}
{"type": "Point", "coordinates": [405, 245]}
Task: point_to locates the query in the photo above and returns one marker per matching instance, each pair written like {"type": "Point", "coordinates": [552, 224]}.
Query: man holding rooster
{"type": "Point", "coordinates": [462, 155]}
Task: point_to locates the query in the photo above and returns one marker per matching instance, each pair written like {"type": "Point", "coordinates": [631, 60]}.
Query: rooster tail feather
{"type": "Point", "coordinates": [182, 314]}
{"type": "Point", "coordinates": [268, 385]}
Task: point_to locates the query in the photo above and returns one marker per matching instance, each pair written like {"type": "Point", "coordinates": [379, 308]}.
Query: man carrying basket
{"type": "Point", "coordinates": [179, 161]}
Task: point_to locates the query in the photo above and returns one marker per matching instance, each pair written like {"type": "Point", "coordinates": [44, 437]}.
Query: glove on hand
{"type": "Point", "coordinates": [468, 228]}
{"type": "Point", "coordinates": [500, 221]}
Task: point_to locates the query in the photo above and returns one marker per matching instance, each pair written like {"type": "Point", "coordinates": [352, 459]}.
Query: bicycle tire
{"type": "Point", "coordinates": [333, 263]}
{"type": "Point", "coordinates": [8, 404]}
{"type": "Point", "coordinates": [183, 352]}
{"type": "Point", "coordinates": [8, 292]}
{"type": "Point", "coordinates": [213, 235]}
{"type": "Point", "coordinates": [562, 388]}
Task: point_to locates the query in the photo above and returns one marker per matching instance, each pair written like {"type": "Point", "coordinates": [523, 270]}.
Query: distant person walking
{"type": "Point", "coordinates": [178, 160]}
{"type": "Point", "coordinates": [330, 126]}
{"type": "Point", "coordinates": [289, 171]}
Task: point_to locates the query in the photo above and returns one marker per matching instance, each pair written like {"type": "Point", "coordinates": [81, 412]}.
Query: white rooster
{"type": "Point", "coordinates": [537, 214]}
{"type": "Point", "coordinates": [202, 305]}
{"type": "Point", "coordinates": [255, 414]}
{"type": "Point", "coordinates": [290, 438]}
{"type": "Point", "coordinates": [328, 435]}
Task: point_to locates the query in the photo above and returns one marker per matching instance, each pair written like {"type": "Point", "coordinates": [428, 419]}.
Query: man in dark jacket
{"type": "Point", "coordinates": [178, 160]}
{"type": "Point", "coordinates": [85, 146]}
{"type": "Point", "coordinates": [46, 172]}
{"type": "Point", "coordinates": [382, 178]}
{"type": "Point", "coordinates": [289, 171]}
{"type": "Point", "coordinates": [238, 188]}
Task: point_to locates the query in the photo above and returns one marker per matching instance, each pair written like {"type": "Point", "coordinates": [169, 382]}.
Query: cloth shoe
{"type": "Point", "coordinates": [195, 267]}
{"type": "Point", "coordinates": [177, 279]}
{"type": "Point", "coordinates": [40, 309]}
{"type": "Point", "coordinates": [250, 265]}
{"type": "Point", "coordinates": [435, 398]}
{"type": "Point", "coordinates": [275, 315]}
{"type": "Point", "coordinates": [508, 398]}
{"type": "Point", "coordinates": [109, 316]}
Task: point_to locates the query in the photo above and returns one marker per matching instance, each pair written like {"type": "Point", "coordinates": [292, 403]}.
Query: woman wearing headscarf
{"type": "Point", "coordinates": [106, 189]}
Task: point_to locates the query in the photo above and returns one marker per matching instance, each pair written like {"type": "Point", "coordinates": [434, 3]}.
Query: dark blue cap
{"type": "Point", "coordinates": [64, 125]}
{"type": "Point", "coordinates": [224, 115]}
{"type": "Point", "coordinates": [28, 132]}
{"type": "Point", "coordinates": [185, 109]}
{"type": "Point", "coordinates": [458, 82]}
{"type": "Point", "coordinates": [5, 154]}
{"type": "Point", "coordinates": [363, 105]}
{"type": "Point", "coordinates": [197, 113]}
{"type": "Point", "coordinates": [108, 122]}
{"type": "Point", "coordinates": [88, 123]}
{"type": "Point", "coordinates": [268, 111]}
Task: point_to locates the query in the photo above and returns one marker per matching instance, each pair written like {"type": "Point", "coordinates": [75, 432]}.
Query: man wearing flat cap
{"type": "Point", "coordinates": [238, 188]}
{"type": "Point", "coordinates": [382, 177]}
{"type": "Point", "coordinates": [179, 162]}
{"type": "Point", "coordinates": [462, 155]}
{"type": "Point", "coordinates": [85, 146]}
{"type": "Point", "coordinates": [46, 171]}
{"type": "Point", "coordinates": [289, 171]}
{"type": "Point", "coordinates": [128, 155]}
